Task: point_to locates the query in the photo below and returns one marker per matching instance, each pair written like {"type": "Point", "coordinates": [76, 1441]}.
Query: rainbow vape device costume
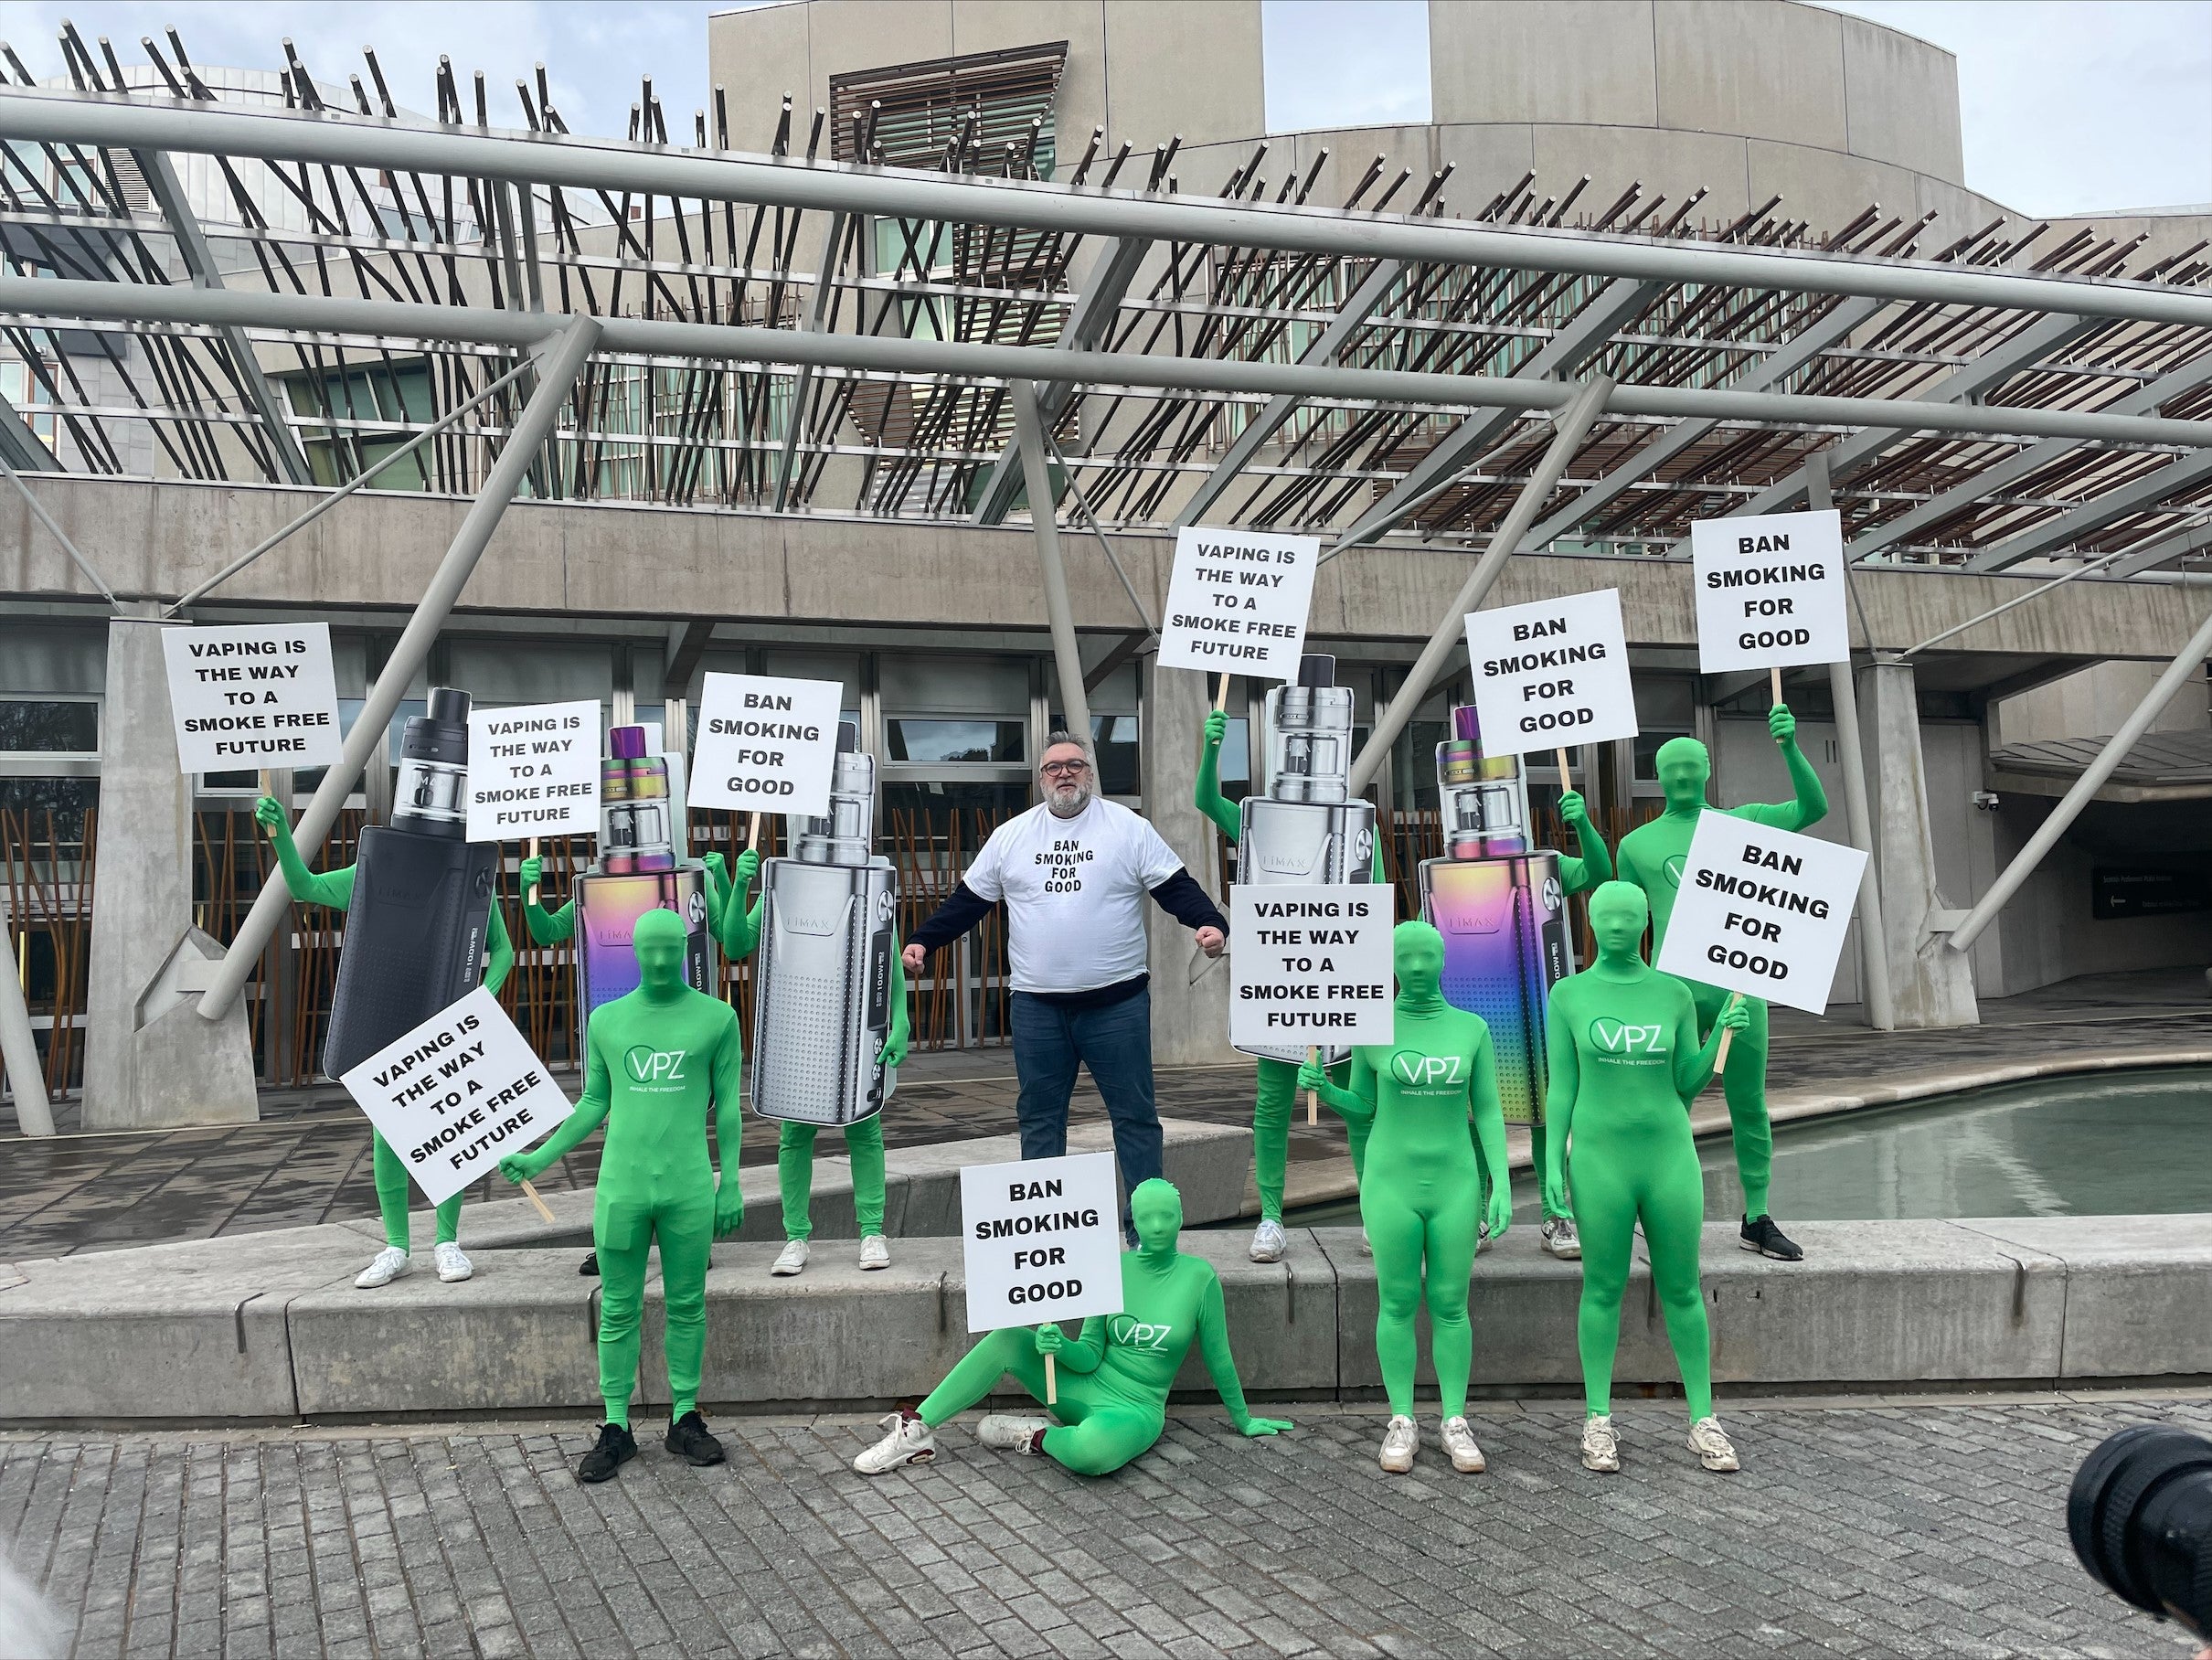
{"type": "Point", "coordinates": [422, 895]}
{"type": "Point", "coordinates": [1502, 909]}
{"type": "Point", "coordinates": [822, 983]}
{"type": "Point", "coordinates": [1308, 828]}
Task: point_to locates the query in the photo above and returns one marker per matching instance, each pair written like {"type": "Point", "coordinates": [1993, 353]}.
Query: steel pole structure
{"type": "Point", "coordinates": [1044, 524]}
{"type": "Point", "coordinates": [2092, 779]}
{"type": "Point", "coordinates": [562, 363]}
{"type": "Point", "coordinates": [563, 159]}
{"type": "Point", "coordinates": [1873, 940]}
{"type": "Point", "coordinates": [1589, 398]}
{"type": "Point", "coordinates": [35, 298]}
{"type": "Point", "coordinates": [18, 1047]}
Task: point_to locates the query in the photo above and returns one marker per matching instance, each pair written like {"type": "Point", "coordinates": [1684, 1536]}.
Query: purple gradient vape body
{"type": "Point", "coordinates": [637, 870]}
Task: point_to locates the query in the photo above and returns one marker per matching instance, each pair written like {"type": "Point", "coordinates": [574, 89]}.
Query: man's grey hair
{"type": "Point", "coordinates": [1061, 735]}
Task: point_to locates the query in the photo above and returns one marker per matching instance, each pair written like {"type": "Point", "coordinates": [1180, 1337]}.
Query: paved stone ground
{"type": "Point", "coordinates": [1931, 1527]}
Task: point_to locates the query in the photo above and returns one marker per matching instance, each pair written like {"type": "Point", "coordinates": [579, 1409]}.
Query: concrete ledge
{"type": "Point", "coordinates": [2138, 1289]}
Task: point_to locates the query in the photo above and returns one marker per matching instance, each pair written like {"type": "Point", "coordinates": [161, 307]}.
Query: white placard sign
{"type": "Point", "coordinates": [1551, 674]}
{"type": "Point", "coordinates": [1041, 1240]}
{"type": "Point", "coordinates": [1310, 965]}
{"type": "Point", "coordinates": [458, 1094]}
{"type": "Point", "coordinates": [247, 698]}
{"type": "Point", "coordinates": [533, 771]}
{"type": "Point", "coordinates": [1769, 590]}
{"type": "Point", "coordinates": [1761, 912]}
{"type": "Point", "coordinates": [1236, 602]}
{"type": "Point", "coordinates": [765, 744]}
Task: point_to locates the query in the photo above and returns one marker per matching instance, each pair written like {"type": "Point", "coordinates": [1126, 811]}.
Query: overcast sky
{"type": "Point", "coordinates": [2070, 106]}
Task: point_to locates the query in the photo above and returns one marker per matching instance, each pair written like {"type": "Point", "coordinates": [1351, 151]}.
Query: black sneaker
{"type": "Point", "coordinates": [589, 1265]}
{"type": "Point", "coordinates": [616, 1448]}
{"type": "Point", "coordinates": [689, 1439]}
{"type": "Point", "coordinates": [1760, 1234]}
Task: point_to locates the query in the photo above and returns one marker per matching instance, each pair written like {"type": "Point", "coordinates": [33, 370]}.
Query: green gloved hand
{"type": "Point", "coordinates": [728, 1207]}
{"type": "Point", "coordinates": [269, 813]}
{"type": "Point", "coordinates": [533, 871]}
{"type": "Point", "coordinates": [1497, 1215]}
{"type": "Point", "coordinates": [1256, 1427]}
{"type": "Point", "coordinates": [894, 1050]}
{"type": "Point", "coordinates": [742, 872]}
{"type": "Point", "coordinates": [520, 1167]}
{"type": "Point", "coordinates": [1216, 729]}
{"type": "Point", "coordinates": [715, 862]}
{"type": "Point", "coordinates": [1781, 725]}
{"type": "Point", "coordinates": [1050, 1339]}
{"type": "Point", "coordinates": [1573, 810]}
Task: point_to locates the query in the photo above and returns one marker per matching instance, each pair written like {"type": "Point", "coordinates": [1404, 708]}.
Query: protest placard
{"type": "Point", "coordinates": [1769, 590]}
{"type": "Point", "coordinates": [765, 744]}
{"type": "Point", "coordinates": [458, 1094]}
{"type": "Point", "coordinates": [1761, 912]}
{"type": "Point", "coordinates": [533, 771]}
{"type": "Point", "coordinates": [1309, 966]}
{"type": "Point", "coordinates": [1236, 601]}
{"type": "Point", "coordinates": [1551, 674]}
{"type": "Point", "coordinates": [1041, 1240]}
{"type": "Point", "coordinates": [252, 698]}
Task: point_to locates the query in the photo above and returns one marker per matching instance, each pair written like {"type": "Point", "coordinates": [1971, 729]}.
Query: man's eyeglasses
{"type": "Point", "coordinates": [1065, 769]}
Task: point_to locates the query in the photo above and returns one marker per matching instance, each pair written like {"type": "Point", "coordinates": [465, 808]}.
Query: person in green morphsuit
{"type": "Point", "coordinates": [739, 932]}
{"type": "Point", "coordinates": [1420, 1195]}
{"type": "Point", "coordinates": [335, 889]}
{"type": "Point", "coordinates": [1114, 1378]}
{"type": "Point", "coordinates": [1651, 856]}
{"type": "Point", "coordinates": [657, 1060]}
{"type": "Point", "coordinates": [1625, 1064]}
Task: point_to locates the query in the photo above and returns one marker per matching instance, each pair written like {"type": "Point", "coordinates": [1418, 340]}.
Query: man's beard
{"type": "Point", "coordinates": [1066, 800]}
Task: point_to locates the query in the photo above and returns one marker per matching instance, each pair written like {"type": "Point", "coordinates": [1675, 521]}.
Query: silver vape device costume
{"type": "Point", "coordinates": [1308, 828]}
{"type": "Point", "coordinates": [822, 981]}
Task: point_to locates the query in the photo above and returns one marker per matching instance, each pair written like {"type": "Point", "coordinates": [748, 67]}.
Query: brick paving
{"type": "Point", "coordinates": [1930, 1528]}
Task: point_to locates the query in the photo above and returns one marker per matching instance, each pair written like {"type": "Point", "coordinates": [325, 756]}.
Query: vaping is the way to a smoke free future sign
{"type": "Point", "coordinates": [1310, 964]}
{"type": "Point", "coordinates": [458, 1094]}
{"type": "Point", "coordinates": [1761, 912]}
{"type": "Point", "coordinates": [1770, 591]}
{"type": "Point", "coordinates": [1041, 1241]}
{"type": "Point", "coordinates": [534, 770]}
{"type": "Point", "coordinates": [252, 698]}
{"type": "Point", "coordinates": [765, 744]}
{"type": "Point", "coordinates": [1236, 601]}
{"type": "Point", "coordinates": [1551, 674]}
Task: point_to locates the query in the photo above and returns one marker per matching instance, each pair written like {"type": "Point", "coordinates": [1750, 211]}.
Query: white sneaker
{"type": "Point", "coordinates": [453, 1265]}
{"type": "Point", "coordinates": [791, 1260]}
{"type": "Point", "coordinates": [1400, 1440]}
{"type": "Point", "coordinates": [1711, 1444]}
{"type": "Point", "coordinates": [1366, 1246]}
{"type": "Point", "coordinates": [1560, 1239]}
{"type": "Point", "coordinates": [384, 1267]}
{"type": "Point", "coordinates": [1600, 1446]}
{"type": "Point", "coordinates": [1482, 1237]}
{"type": "Point", "coordinates": [1459, 1440]}
{"type": "Point", "coordinates": [1269, 1242]}
{"type": "Point", "coordinates": [908, 1441]}
{"type": "Point", "coordinates": [1009, 1431]}
{"type": "Point", "coordinates": [875, 1253]}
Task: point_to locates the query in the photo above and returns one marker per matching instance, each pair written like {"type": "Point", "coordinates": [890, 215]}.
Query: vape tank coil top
{"type": "Point", "coordinates": [1309, 728]}
{"type": "Point", "coordinates": [847, 834]}
{"type": "Point", "coordinates": [432, 794]}
{"type": "Point", "coordinates": [635, 833]}
{"type": "Point", "coordinates": [1484, 798]}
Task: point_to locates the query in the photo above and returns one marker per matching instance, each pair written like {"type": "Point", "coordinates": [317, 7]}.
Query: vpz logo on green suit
{"type": "Point", "coordinates": [649, 1065]}
{"type": "Point", "coordinates": [1139, 1333]}
{"type": "Point", "coordinates": [1427, 1072]}
{"type": "Point", "coordinates": [1611, 1036]}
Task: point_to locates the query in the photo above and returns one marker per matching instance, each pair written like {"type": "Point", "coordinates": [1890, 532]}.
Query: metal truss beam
{"type": "Point", "coordinates": [1268, 422]}
{"type": "Point", "coordinates": [168, 193]}
{"type": "Point", "coordinates": [562, 159]}
{"type": "Point", "coordinates": [817, 310]}
{"type": "Point", "coordinates": [2165, 551]}
{"type": "Point", "coordinates": [2137, 495]}
{"type": "Point", "coordinates": [1088, 321]}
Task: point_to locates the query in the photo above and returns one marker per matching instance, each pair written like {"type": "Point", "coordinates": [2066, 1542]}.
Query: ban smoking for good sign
{"type": "Point", "coordinates": [533, 771]}
{"type": "Point", "coordinates": [1236, 602]}
{"type": "Point", "coordinates": [1309, 966]}
{"type": "Point", "coordinates": [1551, 674]}
{"type": "Point", "coordinates": [1041, 1240]}
{"type": "Point", "coordinates": [458, 1094]}
{"type": "Point", "coordinates": [765, 744]}
{"type": "Point", "coordinates": [1769, 590]}
{"type": "Point", "coordinates": [245, 698]}
{"type": "Point", "coordinates": [1761, 912]}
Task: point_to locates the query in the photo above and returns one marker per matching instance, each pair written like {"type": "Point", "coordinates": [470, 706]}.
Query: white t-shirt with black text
{"type": "Point", "coordinates": [1075, 890]}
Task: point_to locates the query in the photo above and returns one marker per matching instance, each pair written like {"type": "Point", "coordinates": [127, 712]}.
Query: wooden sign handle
{"type": "Point", "coordinates": [1720, 1058]}
{"type": "Point", "coordinates": [752, 836]}
{"type": "Point", "coordinates": [530, 1193]}
{"type": "Point", "coordinates": [1774, 684]}
{"type": "Point", "coordinates": [534, 899]}
{"type": "Point", "coordinates": [1221, 697]}
{"type": "Point", "coordinates": [1052, 1383]}
{"type": "Point", "coordinates": [1567, 780]}
{"type": "Point", "coordinates": [1312, 1101]}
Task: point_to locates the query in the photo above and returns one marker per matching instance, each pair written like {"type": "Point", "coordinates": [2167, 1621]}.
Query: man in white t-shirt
{"type": "Point", "coordinates": [1073, 872]}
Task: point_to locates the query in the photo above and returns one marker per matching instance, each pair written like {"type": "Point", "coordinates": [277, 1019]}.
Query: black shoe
{"type": "Point", "coordinates": [1760, 1234]}
{"type": "Point", "coordinates": [689, 1439]}
{"type": "Point", "coordinates": [589, 1265]}
{"type": "Point", "coordinates": [616, 1448]}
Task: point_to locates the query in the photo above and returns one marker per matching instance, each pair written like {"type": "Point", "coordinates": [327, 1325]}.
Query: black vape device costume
{"type": "Point", "coordinates": [415, 924]}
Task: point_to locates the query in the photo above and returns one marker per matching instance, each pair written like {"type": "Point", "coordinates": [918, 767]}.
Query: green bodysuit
{"type": "Point", "coordinates": [1652, 856]}
{"type": "Point", "coordinates": [1114, 1378]}
{"type": "Point", "coordinates": [656, 1061]}
{"type": "Point", "coordinates": [1625, 1062]}
{"type": "Point", "coordinates": [739, 931]}
{"type": "Point", "coordinates": [335, 889]}
{"type": "Point", "coordinates": [1420, 1194]}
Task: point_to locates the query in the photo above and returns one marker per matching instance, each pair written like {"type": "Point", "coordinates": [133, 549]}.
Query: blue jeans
{"type": "Point", "coordinates": [1115, 1043]}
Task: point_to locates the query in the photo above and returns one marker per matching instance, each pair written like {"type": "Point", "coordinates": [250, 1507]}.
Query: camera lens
{"type": "Point", "coordinates": [2141, 1518]}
